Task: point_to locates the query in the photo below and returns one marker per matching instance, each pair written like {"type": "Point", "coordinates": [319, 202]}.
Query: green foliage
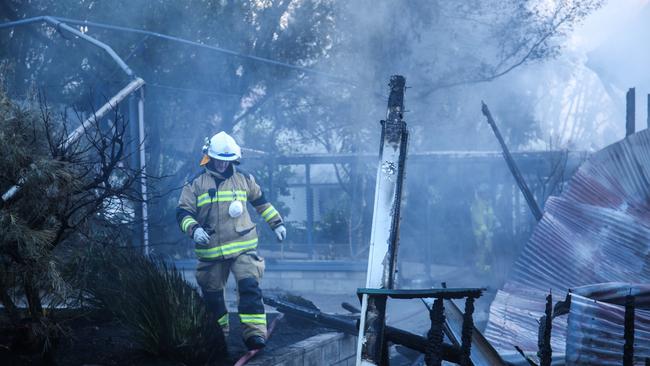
{"type": "Point", "coordinates": [30, 227]}
{"type": "Point", "coordinates": [166, 314]}
{"type": "Point", "coordinates": [61, 196]}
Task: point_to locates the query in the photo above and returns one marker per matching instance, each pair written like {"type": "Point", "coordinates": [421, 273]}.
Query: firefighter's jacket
{"type": "Point", "coordinates": [204, 202]}
{"type": "Point", "coordinates": [483, 218]}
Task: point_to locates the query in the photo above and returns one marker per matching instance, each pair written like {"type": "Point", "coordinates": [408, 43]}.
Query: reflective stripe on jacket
{"type": "Point", "coordinates": [204, 202]}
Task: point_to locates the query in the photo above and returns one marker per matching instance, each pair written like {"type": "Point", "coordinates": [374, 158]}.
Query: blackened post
{"type": "Point", "coordinates": [629, 112]}
{"type": "Point", "coordinates": [528, 195]}
{"type": "Point", "coordinates": [628, 347]}
{"type": "Point", "coordinates": [545, 352]}
{"type": "Point", "coordinates": [466, 335]}
{"type": "Point", "coordinates": [375, 317]}
{"type": "Point", "coordinates": [384, 236]}
{"type": "Point", "coordinates": [433, 355]}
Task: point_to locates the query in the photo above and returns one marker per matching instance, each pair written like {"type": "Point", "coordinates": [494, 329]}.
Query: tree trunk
{"type": "Point", "coordinates": [9, 305]}
{"type": "Point", "coordinates": [33, 297]}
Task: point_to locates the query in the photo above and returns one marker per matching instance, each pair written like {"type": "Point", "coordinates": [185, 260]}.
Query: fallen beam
{"type": "Point", "coordinates": [349, 325]}
{"type": "Point", "coordinates": [528, 195]}
{"type": "Point", "coordinates": [482, 353]}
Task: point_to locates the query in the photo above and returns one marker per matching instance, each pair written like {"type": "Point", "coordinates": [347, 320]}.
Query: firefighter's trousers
{"type": "Point", "coordinates": [484, 252]}
{"type": "Point", "coordinates": [248, 269]}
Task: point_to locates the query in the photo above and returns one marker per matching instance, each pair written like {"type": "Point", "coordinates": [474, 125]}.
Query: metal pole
{"type": "Point", "coordinates": [59, 25]}
{"type": "Point", "coordinates": [143, 173]}
{"type": "Point", "coordinates": [22, 22]}
{"type": "Point", "coordinates": [60, 20]}
{"type": "Point", "coordinates": [205, 46]}
{"type": "Point", "coordinates": [310, 211]}
{"type": "Point", "coordinates": [79, 131]}
{"type": "Point", "coordinates": [134, 164]}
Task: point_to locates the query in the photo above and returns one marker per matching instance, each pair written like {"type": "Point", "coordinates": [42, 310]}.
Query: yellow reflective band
{"type": "Point", "coordinates": [187, 222]}
{"type": "Point", "coordinates": [253, 318]}
{"type": "Point", "coordinates": [223, 321]}
{"type": "Point", "coordinates": [221, 196]}
{"type": "Point", "coordinates": [269, 213]}
{"type": "Point", "coordinates": [226, 249]}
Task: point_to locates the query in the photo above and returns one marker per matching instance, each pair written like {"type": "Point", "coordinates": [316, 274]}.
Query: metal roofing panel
{"type": "Point", "coordinates": [596, 231]}
{"type": "Point", "coordinates": [595, 333]}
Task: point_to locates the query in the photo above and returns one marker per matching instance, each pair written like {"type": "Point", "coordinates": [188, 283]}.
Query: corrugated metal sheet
{"type": "Point", "coordinates": [595, 333]}
{"type": "Point", "coordinates": [597, 231]}
{"type": "Point", "coordinates": [616, 292]}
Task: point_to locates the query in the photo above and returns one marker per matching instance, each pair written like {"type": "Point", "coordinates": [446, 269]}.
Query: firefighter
{"type": "Point", "coordinates": [483, 224]}
{"type": "Point", "coordinates": [213, 211]}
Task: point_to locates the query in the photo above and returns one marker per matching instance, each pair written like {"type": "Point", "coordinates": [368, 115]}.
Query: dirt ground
{"type": "Point", "coordinates": [106, 342]}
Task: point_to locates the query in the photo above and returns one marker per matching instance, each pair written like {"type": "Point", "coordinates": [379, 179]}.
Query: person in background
{"type": "Point", "coordinates": [483, 224]}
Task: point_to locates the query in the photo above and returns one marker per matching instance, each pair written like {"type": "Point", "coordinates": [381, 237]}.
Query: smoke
{"type": "Point", "coordinates": [551, 83]}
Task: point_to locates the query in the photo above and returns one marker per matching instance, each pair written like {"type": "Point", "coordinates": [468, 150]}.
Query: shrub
{"type": "Point", "coordinates": [167, 315]}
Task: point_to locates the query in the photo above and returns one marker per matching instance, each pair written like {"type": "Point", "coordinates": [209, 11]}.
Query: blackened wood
{"type": "Point", "coordinates": [350, 326]}
{"type": "Point", "coordinates": [443, 293]}
{"type": "Point", "coordinates": [466, 335]}
{"type": "Point", "coordinates": [629, 112]}
{"type": "Point", "coordinates": [375, 314]}
{"type": "Point", "coordinates": [528, 195]}
{"type": "Point", "coordinates": [545, 352]}
{"type": "Point", "coordinates": [433, 354]}
{"type": "Point", "coordinates": [628, 347]}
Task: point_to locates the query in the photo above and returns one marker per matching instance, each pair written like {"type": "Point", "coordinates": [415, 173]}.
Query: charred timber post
{"type": "Point", "coordinates": [545, 352]}
{"type": "Point", "coordinates": [384, 238]}
{"type": "Point", "coordinates": [528, 195]}
{"type": "Point", "coordinates": [466, 335]}
{"type": "Point", "coordinates": [628, 347]}
{"type": "Point", "coordinates": [630, 112]}
{"type": "Point", "coordinates": [433, 354]}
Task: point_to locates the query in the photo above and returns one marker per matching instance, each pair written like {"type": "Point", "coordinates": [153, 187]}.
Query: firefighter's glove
{"type": "Point", "coordinates": [280, 232]}
{"type": "Point", "coordinates": [200, 236]}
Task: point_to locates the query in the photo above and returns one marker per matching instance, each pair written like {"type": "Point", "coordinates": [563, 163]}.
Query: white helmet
{"type": "Point", "coordinates": [221, 147]}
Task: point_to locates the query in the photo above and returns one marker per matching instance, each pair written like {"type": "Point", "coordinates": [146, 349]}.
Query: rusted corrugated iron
{"type": "Point", "coordinates": [616, 292]}
{"type": "Point", "coordinates": [597, 231]}
{"type": "Point", "coordinates": [590, 339]}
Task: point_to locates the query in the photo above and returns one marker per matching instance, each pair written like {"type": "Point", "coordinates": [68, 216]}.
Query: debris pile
{"type": "Point", "coordinates": [596, 232]}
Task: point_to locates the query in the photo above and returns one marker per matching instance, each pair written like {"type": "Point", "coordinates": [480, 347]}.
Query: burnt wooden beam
{"type": "Point", "coordinates": [545, 353]}
{"type": "Point", "coordinates": [466, 335]}
{"type": "Point", "coordinates": [349, 325]}
{"type": "Point", "coordinates": [628, 335]}
{"type": "Point", "coordinates": [442, 293]}
{"type": "Point", "coordinates": [630, 112]}
{"type": "Point", "coordinates": [514, 169]}
{"type": "Point", "coordinates": [435, 337]}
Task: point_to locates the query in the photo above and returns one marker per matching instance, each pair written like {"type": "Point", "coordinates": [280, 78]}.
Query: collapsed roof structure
{"type": "Point", "coordinates": [592, 241]}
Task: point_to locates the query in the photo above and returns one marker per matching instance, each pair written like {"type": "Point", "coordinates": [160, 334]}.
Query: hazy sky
{"type": "Point", "coordinates": [604, 56]}
{"type": "Point", "coordinates": [611, 19]}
